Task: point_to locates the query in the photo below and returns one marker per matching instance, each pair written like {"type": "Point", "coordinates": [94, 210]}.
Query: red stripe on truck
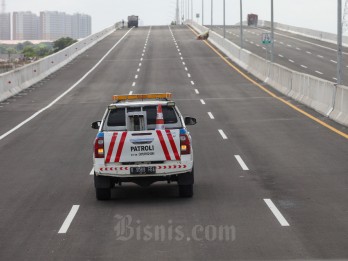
{"type": "Point", "coordinates": [163, 144]}
{"type": "Point", "coordinates": [111, 147]}
{"type": "Point", "coordinates": [172, 144]}
{"type": "Point", "coordinates": [120, 147]}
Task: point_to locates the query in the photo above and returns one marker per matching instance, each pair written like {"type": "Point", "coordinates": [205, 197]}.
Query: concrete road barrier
{"type": "Point", "coordinates": [17, 80]}
{"type": "Point", "coordinates": [340, 112]}
{"type": "Point", "coordinates": [316, 93]}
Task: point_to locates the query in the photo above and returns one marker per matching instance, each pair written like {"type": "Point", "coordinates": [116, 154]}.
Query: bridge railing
{"type": "Point", "coordinates": [321, 95]}
{"type": "Point", "coordinates": [13, 82]}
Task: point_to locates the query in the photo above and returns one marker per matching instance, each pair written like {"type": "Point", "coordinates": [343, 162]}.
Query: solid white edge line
{"type": "Point", "coordinates": [92, 172]}
{"type": "Point", "coordinates": [276, 213]}
{"type": "Point", "coordinates": [223, 134]}
{"type": "Point", "coordinates": [197, 92]}
{"type": "Point", "coordinates": [241, 162]}
{"type": "Point", "coordinates": [64, 228]}
{"type": "Point", "coordinates": [64, 93]}
{"type": "Point", "coordinates": [202, 101]}
{"type": "Point", "coordinates": [211, 115]}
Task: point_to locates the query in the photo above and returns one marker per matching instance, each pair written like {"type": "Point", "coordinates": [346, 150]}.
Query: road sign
{"type": "Point", "coordinates": [266, 38]}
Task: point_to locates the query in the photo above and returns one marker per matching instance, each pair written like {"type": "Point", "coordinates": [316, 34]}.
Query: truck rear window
{"type": "Point", "coordinates": [117, 117]}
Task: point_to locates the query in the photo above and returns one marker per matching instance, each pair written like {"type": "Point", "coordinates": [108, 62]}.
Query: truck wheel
{"type": "Point", "coordinates": [186, 191]}
{"type": "Point", "coordinates": [103, 194]}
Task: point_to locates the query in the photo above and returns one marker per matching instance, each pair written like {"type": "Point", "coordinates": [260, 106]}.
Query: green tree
{"type": "Point", "coordinates": [42, 50]}
{"type": "Point", "coordinates": [29, 52]}
{"type": "Point", "coordinates": [62, 43]}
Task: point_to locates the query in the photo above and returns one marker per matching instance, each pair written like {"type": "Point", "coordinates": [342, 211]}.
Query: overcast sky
{"type": "Point", "coordinates": [314, 14]}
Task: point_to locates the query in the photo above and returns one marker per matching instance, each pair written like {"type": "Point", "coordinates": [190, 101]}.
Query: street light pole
{"type": "Point", "coordinates": [272, 32]}
{"type": "Point", "coordinates": [202, 12]}
{"type": "Point", "coordinates": [224, 21]}
{"type": "Point", "coordinates": [241, 24]}
{"type": "Point", "coordinates": [211, 13]}
{"type": "Point", "coordinates": [339, 42]}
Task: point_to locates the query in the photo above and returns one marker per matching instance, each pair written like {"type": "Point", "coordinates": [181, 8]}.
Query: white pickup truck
{"type": "Point", "coordinates": [142, 138]}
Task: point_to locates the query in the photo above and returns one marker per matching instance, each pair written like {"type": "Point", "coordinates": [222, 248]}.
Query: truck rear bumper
{"type": "Point", "coordinates": [123, 171]}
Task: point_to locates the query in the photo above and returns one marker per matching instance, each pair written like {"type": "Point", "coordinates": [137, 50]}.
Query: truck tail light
{"type": "Point", "coordinates": [185, 145]}
{"type": "Point", "coordinates": [99, 148]}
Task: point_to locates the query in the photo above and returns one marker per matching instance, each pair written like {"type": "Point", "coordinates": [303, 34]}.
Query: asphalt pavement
{"type": "Point", "coordinates": [270, 183]}
{"type": "Point", "coordinates": [297, 52]}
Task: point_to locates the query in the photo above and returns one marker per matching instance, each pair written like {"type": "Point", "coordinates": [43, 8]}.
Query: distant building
{"type": "Point", "coordinates": [81, 25]}
{"type": "Point", "coordinates": [54, 25]}
{"type": "Point", "coordinates": [5, 26]}
{"type": "Point", "coordinates": [25, 26]}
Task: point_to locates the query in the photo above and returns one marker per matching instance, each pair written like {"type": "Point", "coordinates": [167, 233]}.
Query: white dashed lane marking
{"type": "Point", "coordinates": [192, 82]}
{"type": "Point", "coordinates": [291, 61]}
{"type": "Point", "coordinates": [133, 84]}
{"type": "Point", "coordinates": [304, 66]}
{"type": "Point", "coordinates": [196, 91]}
{"type": "Point", "coordinates": [319, 72]}
{"type": "Point", "coordinates": [64, 228]}
{"type": "Point", "coordinates": [308, 52]}
{"type": "Point", "coordinates": [276, 213]}
{"type": "Point", "coordinates": [92, 172]}
{"type": "Point", "coordinates": [333, 61]}
{"type": "Point", "coordinates": [223, 135]}
{"type": "Point", "coordinates": [241, 162]}
{"type": "Point", "coordinates": [211, 115]}
{"type": "Point", "coordinates": [202, 101]}
{"type": "Point", "coordinates": [189, 75]}
{"type": "Point", "coordinates": [131, 92]}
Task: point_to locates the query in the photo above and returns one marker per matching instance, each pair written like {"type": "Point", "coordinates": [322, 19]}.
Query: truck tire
{"type": "Point", "coordinates": [103, 194]}
{"type": "Point", "coordinates": [186, 191]}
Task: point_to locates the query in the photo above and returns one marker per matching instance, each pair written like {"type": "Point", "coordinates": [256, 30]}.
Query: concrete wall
{"type": "Point", "coordinates": [323, 36]}
{"type": "Point", "coordinates": [15, 81]}
{"type": "Point", "coordinates": [321, 95]}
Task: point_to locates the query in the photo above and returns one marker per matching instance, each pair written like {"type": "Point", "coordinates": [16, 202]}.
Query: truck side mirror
{"type": "Point", "coordinates": [96, 125]}
{"type": "Point", "coordinates": [190, 121]}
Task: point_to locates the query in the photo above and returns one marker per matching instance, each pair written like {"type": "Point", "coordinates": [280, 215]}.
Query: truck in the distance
{"type": "Point", "coordinates": [133, 20]}
{"type": "Point", "coordinates": [252, 19]}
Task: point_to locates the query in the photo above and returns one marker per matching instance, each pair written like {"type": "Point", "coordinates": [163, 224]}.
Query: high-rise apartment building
{"type": "Point", "coordinates": [54, 25]}
{"type": "Point", "coordinates": [5, 26]}
{"type": "Point", "coordinates": [81, 25]}
{"type": "Point", "coordinates": [25, 26]}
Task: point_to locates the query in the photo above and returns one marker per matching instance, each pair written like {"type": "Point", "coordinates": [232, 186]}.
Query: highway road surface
{"type": "Point", "coordinates": [299, 53]}
{"type": "Point", "coordinates": [270, 181]}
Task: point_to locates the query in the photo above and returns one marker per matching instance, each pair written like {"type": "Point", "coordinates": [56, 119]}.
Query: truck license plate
{"type": "Point", "coordinates": [143, 170]}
